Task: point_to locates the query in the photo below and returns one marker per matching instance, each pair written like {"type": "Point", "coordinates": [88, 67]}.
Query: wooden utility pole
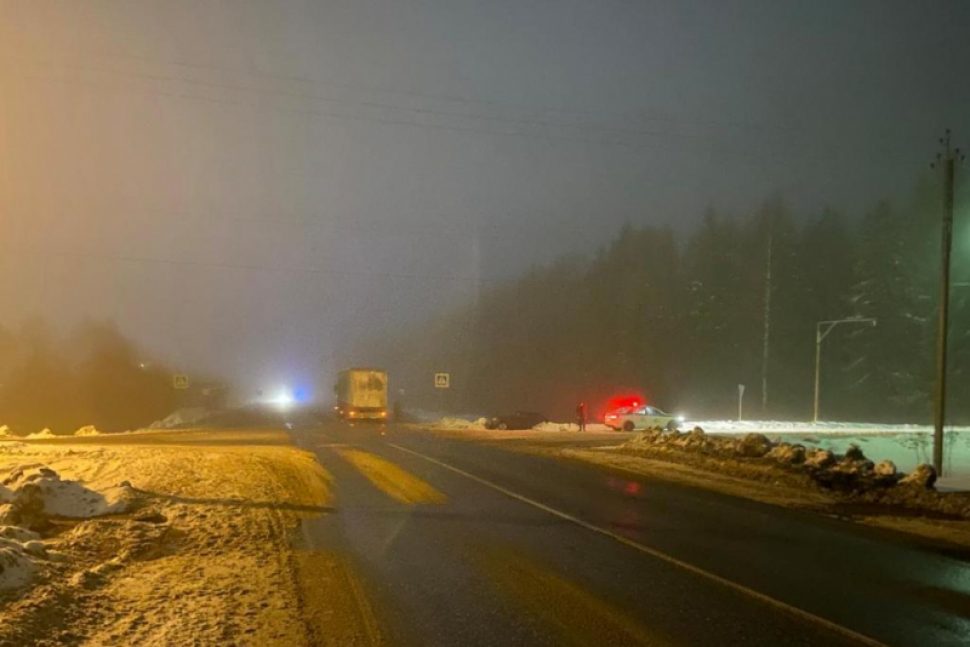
{"type": "Point", "coordinates": [945, 160]}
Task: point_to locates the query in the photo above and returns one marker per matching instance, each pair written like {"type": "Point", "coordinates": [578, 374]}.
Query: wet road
{"type": "Point", "coordinates": [457, 542]}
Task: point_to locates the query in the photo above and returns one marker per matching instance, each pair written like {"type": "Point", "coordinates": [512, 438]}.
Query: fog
{"type": "Point", "coordinates": [249, 189]}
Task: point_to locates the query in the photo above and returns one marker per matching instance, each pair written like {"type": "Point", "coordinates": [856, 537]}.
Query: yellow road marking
{"type": "Point", "coordinates": [390, 479]}
{"type": "Point", "coordinates": [577, 616]}
{"type": "Point", "coordinates": [653, 552]}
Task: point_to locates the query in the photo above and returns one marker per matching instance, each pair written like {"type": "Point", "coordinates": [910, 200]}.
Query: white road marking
{"type": "Point", "coordinates": [653, 552]}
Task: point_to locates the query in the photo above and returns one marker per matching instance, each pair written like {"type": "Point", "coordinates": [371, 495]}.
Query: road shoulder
{"type": "Point", "coordinates": [753, 480]}
{"type": "Point", "coordinates": [205, 557]}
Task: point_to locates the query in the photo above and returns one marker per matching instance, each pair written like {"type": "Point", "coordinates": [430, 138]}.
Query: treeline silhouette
{"type": "Point", "coordinates": [92, 376]}
{"type": "Point", "coordinates": [682, 320]}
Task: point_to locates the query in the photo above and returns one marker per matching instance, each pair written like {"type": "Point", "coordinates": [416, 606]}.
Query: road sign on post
{"type": "Point", "coordinates": [180, 381]}
{"type": "Point", "coordinates": [442, 380]}
{"type": "Point", "coordinates": [740, 399]}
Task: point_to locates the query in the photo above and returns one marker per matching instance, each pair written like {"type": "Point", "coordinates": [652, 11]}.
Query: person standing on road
{"type": "Point", "coordinates": [581, 415]}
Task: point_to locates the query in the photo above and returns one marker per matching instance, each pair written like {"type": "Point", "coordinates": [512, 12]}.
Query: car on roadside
{"type": "Point", "coordinates": [643, 417]}
{"type": "Point", "coordinates": [517, 420]}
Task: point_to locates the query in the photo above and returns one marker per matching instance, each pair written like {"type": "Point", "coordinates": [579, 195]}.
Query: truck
{"type": "Point", "coordinates": [361, 394]}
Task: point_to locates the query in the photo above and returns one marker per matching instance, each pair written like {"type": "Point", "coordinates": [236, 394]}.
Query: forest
{"type": "Point", "coordinates": [683, 318]}
{"type": "Point", "coordinates": [91, 376]}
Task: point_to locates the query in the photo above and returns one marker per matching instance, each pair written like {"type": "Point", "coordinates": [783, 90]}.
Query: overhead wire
{"type": "Point", "coordinates": [433, 96]}
{"type": "Point", "coordinates": [697, 138]}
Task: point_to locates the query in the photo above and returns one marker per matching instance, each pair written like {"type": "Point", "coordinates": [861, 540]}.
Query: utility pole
{"type": "Point", "coordinates": [767, 328]}
{"type": "Point", "coordinates": [947, 160]}
{"type": "Point", "coordinates": [822, 329]}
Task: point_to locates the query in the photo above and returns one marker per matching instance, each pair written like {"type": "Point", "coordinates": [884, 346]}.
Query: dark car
{"type": "Point", "coordinates": [517, 420]}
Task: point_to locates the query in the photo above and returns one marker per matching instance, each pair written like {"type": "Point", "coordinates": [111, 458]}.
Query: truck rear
{"type": "Point", "coordinates": [362, 394]}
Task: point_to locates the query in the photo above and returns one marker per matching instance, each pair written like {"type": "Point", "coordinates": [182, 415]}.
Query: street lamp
{"type": "Point", "coordinates": [822, 329]}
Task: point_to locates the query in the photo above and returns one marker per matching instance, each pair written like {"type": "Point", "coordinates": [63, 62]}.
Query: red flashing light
{"type": "Point", "coordinates": [625, 400]}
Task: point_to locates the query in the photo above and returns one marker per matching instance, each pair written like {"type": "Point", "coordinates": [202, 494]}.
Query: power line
{"type": "Point", "coordinates": [756, 159]}
{"type": "Point", "coordinates": [236, 87]}
{"type": "Point", "coordinates": [439, 97]}
{"type": "Point", "coordinates": [752, 158]}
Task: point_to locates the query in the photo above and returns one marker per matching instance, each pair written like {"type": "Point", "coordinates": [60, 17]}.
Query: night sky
{"type": "Point", "coordinates": [250, 187]}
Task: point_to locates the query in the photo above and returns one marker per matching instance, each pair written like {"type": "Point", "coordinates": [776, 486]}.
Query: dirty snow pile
{"type": "Point", "coordinates": [850, 473]}
{"type": "Point", "coordinates": [451, 423]}
{"type": "Point", "coordinates": [87, 430]}
{"type": "Point", "coordinates": [31, 494]}
{"type": "Point", "coordinates": [5, 431]}
{"type": "Point", "coordinates": [35, 490]}
{"type": "Point", "coordinates": [907, 445]}
{"type": "Point", "coordinates": [181, 417]}
{"type": "Point", "coordinates": [569, 426]}
{"type": "Point", "coordinates": [460, 423]}
{"type": "Point", "coordinates": [20, 552]}
{"type": "Point", "coordinates": [43, 433]}
{"type": "Point", "coordinates": [806, 427]}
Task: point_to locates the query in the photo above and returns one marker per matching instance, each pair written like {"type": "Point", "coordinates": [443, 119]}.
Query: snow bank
{"type": "Point", "coordinates": [18, 560]}
{"type": "Point", "coordinates": [797, 427]}
{"type": "Point", "coordinates": [36, 491]}
{"type": "Point", "coordinates": [43, 433]}
{"type": "Point", "coordinates": [907, 446]}
{"type": "Point", "coordinates": [180, 417]}
{"type": "Point", "coordinates": [87, 430]}
{"type": "Point", "coordinates": [465, 424]}
{"type": "Point", "coordinates": [849, 472]}
{"type": "Point", "coordinates": [568, 426]}
{"type": "Point", "coordinates": [556, 426]}
{"type": "Point", "coordinates": [28, 496]}
{"type": "Point", "coordinates": [5, 431]}
{"type": "Point", "coordinates": [459, 423]}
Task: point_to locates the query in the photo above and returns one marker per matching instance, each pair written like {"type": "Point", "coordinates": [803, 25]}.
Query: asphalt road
{"type": "Point", "coordinates": [459, 542]}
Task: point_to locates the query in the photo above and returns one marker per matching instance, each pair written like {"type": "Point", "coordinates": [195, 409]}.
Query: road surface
{"type": "Point", "coordinates": [462, 542]}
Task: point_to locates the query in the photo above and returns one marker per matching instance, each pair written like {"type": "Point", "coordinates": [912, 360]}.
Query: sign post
{"type": "Point", "coordinates": [442, 382]}
{"type": "Point", "coordinates": [740, 400]}
{"type": "Point", "coordinates": [180, 381]}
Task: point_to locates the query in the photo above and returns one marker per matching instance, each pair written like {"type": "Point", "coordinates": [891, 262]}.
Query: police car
{"type": "Point", "coordinates": [642, 417]}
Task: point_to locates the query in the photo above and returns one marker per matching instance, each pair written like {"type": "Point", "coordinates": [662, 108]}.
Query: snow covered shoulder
{"type": "Point", "coordinates": [139, 539]}
{"type": "Point", "coordinates": [30, 497]}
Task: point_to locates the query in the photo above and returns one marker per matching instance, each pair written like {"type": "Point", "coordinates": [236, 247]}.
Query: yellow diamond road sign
{"type": "Point", "coordinates": [180, 381]}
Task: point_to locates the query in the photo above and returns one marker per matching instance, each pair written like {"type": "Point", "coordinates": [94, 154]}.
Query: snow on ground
{"type": "Point", "coordinates": [905, 445]}
{"type": "Point", "coordinates": [179, 417]}
{"type": "Point", "coordinates": [569, 426]}
{"type": "Point", "coordinates": [20, 551]}
{"type": "Point", "coordinates": [30, 494]}
{"type": "Point", "coordinates": [87, 430]}
{"type": "Point", "coordinates": [206, 506]}
{"type": "Point", "coordinates": [458, 424]}
{"type": "Point", "coordinates": [789, 427]}
{"type": "Point", "coordinates": [44, 488]}
{"type": "Point", "coordinates": [43, 433]}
